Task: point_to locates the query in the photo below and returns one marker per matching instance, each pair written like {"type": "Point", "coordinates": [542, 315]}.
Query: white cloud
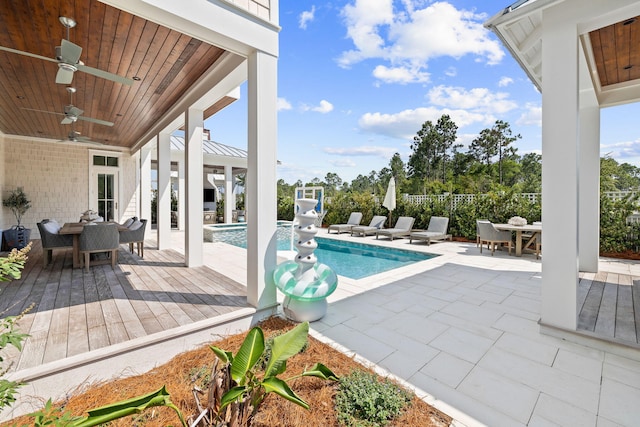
{"type": "Point", "coordinates": [505, 81]}
{"type": "Point", "coordinates": [622, 150]}
{"type": "Point", "coordinates": [405, 124]}
{"type": "Point", "coordinates": [478, 99]}
{"type": "Point", "coordinates": [283, 104]}
{"type": "Point", "coordinates": [451, 72]}
{"type": "Point", "coordinates": [408, 37]}
{"type": "Point", "coordinates": [531, 116]}
{"type": "Point", "coordinates": [324, 107]}
{"type": "Point", "coordinates": [400, 75]}
{"type": "Point", "coordinates": [365, 150]}
{"type": "Point", "coordinates": [306, 17]}
{"type": "Point", "coordinates": [343, 163]}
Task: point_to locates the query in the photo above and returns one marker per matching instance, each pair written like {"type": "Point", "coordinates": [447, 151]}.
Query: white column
{"type": "Point", "coordinates": [229, 199]}
{"type": "Point", "coordinates": [164, 191]}
{"type": "Point", "coordinates": [261, 209]}
{"type": "Point", "coordinates": [589, 183]}
{"type": "Point", "coordinates": [181, 194]}
{"type": "Point", "coordinates": [194, 169]}
{"type": "Point", "coordinates": [559, 172]}
{"type": "Point", "coordinates": [145, 184]}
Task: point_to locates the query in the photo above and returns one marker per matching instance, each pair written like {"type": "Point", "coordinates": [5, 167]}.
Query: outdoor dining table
{"type": "Point", "coordinates": [534, 229]}
{"type": "Point", "coordinates": [75, 229]}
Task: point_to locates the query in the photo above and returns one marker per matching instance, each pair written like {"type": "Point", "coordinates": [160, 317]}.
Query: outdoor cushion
{"type": "Point", "coordinates": [51, 227]}
{"type": "Point", "coordinates": [135, 225]}
{"type": "Point", "coordinates": [128, 222]}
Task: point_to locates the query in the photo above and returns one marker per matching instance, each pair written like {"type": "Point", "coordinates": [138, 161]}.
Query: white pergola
{"type": "Point", "coordinates": [550, 39]}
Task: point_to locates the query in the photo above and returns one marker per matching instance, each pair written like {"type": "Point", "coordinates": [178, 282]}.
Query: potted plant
{"type": "Point", "coordinates": [17, 236]}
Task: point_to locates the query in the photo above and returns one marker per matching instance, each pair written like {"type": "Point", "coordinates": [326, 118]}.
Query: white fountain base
{"type": "Point", "coordinates": [304, 310]}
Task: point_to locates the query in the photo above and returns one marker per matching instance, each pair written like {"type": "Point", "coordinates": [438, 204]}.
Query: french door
{"type": "Point", "coordinates": [104, 187]}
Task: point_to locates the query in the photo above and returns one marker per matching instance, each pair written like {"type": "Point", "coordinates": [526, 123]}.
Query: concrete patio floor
{"type": "Point", "coordinates": [461, 329]}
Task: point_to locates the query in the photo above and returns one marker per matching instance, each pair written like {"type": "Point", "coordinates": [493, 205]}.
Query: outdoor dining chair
{"type": "Point", "coordinates": [493, 237]}
{"type": "Point", "coordinates": [135, 234]}
{"type": "Point", "coordinates": [99, 238]}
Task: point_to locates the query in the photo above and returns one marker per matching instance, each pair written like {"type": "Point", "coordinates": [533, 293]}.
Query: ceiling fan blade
{"type": "Point", "coordinates": [21, 52]}
{"type": "Point", "coordinates": [66, 121]}
{"type": "Point", "coordinates": [42, 111]}
{"type": "Point", "coordinates": [70, 52]}
{"type": "Point", "coordinates": [98, 121]}
{"type": "Point", "coordinates": [64, 77]}
{"type": "Point", "coordinates": [105, 75]}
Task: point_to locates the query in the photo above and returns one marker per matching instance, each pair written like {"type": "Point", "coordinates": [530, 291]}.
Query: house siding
{"type": "Point", "coordinates": [259, 8]}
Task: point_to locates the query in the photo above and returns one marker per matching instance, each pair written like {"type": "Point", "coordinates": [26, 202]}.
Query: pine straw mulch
{"type": "Point", "coordinates": [180, 375]}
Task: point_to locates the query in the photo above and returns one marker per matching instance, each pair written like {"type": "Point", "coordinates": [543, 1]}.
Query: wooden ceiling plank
{"type": "Point", "coordinates": [140, 69]}
{"type": "Point", "coordinates": [173, 93]}
{"type": "Point", "coordinates": [157, 103]}
{"type": "Point", "coordinates": [171, 50]}
{"type": "Point", "coordinates": [622, 52]}
{"type": "Point", "coordinates": [634, 58]}
{"type": "Point", "coordinates": [158, 61]}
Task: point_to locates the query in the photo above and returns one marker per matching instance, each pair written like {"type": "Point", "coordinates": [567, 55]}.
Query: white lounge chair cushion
{"type": "Point", "coordinates": [135, 225]}
{"type": "Point", "coordinates": [52, 227]}
{"type": "Point", "coordinates": [128, 222]}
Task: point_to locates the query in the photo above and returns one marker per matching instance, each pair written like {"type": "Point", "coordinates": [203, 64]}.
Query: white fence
{"type": "Point", "coordinates": [457, 198]}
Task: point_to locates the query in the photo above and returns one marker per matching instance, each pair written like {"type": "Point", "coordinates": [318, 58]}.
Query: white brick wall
{"type": "Point", "coordinates": [55, 177]}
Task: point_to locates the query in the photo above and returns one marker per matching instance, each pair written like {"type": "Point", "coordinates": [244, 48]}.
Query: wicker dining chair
{"type": "Point", "coordinates": [135, 234]}
{"type": "Point", "coordinates": [101, 237]}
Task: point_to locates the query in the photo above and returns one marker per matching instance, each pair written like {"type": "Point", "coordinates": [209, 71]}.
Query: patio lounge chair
{"type": "Point", "coordinates": [402, 228]}
{"type": "Point", "coordinates": [377, 222]}
{"type": "Point", "coordinates": [51, 239]}
{"type": "Point", "coordinates": [354, 219]}
{"type": "Point", "coordinates": [492, 237]}
{"type": "Point", "coordinates": [436, 231]}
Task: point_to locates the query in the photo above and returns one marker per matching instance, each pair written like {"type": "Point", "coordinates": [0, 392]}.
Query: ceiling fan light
{"type": "Point", "coordinates": [67, 22]}
{"type": "Point", "coordinates": [67, 67]}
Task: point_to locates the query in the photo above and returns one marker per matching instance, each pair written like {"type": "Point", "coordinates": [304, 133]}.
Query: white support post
{"type": "Point", "coordinates": [261, 195]}
{"type": "Point", "coordinates": [229, 199]}
{"type": "Point", "coordinates": [145, 183]}
{"type": "Point", "coordinates": [164, 191]}
{"type": "Point", "coordinates": [589, 183]}
{"type": "Point", "coordinates": [194, 166]}
{"type": "Point", "coordinates": [181, 194]}
{"type": "Point", "coordinates": [559, 172]}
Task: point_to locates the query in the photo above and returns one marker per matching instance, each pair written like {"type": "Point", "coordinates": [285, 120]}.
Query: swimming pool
{"type": "Point", "coordinates": [348, 259]}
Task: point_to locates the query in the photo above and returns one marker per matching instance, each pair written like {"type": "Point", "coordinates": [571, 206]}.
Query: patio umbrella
{"type": "Point", "coordinates": [390, 198]}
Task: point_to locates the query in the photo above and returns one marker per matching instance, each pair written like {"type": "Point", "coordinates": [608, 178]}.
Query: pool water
{"type": "Point", "coordinates": [359, 260]}
{"type": "Point", "coordinates": [348, 259]}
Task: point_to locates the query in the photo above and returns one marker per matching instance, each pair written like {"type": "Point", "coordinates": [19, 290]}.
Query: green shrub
{"type": "Point", "coordinates": [364, 401]}
{"type": "Point", "coordinates": [616, 235]}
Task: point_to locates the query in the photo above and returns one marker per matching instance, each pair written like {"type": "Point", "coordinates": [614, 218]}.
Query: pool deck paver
{"type": "Point", "coordinates": [475, 345]}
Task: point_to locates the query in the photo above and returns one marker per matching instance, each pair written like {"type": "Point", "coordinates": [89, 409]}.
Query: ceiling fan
{"type": "Point", "coordinates": [72, 113]}
{"type": "Point", "coordinates": [68, 59]}
{"type": "Point", "coordinates": [74, 136]}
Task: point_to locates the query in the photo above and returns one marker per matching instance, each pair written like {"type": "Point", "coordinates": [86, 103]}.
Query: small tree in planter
{"type": "Point", "coordinates": [17, 236]}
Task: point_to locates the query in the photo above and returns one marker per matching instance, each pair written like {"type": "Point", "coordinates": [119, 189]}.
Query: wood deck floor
{"type": "Point", "coordinates": [75, 312]}
{"type": "Point", "coordinates": [609, 307]}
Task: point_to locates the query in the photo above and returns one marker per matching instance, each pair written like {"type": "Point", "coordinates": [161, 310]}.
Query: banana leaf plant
{"type": "Point", "coordinates": [251, 385]}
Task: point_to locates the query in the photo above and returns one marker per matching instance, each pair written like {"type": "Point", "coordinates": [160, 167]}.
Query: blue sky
{"type": "Point", "coordinates": [358, 78]}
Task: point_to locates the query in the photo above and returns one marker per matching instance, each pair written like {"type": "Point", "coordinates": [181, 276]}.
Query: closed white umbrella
{"type": "Point", "coordinates": [390, 198]}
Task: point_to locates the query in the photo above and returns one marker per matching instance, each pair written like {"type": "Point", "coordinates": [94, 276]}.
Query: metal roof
{"type": "Point", "coordinates": [210, 147]}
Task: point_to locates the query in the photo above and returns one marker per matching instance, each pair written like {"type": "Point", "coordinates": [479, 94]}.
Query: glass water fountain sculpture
{"type": "Point", "coordinates": [305, 282]}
